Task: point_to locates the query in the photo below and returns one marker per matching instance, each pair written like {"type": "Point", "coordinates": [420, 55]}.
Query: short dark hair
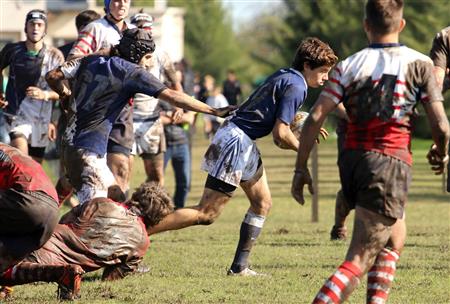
{"type": "Point", "coordinates": [314, 52]}
{"type": "Point", "coordinates": [85, 17]}
{"type": "Point", "coordinates": [152, 202]}
{"type": "Point", "coordinates": [383, 16]}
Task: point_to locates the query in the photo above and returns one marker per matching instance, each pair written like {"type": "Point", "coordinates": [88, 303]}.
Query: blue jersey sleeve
{"type": "Point", "coordinates": [141, 81]}
{"type": "Point", "coordinates": [290, 99]}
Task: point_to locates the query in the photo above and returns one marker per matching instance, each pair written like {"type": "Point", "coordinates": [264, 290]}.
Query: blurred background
{"type": "Point", "coordinates": [253, 38]}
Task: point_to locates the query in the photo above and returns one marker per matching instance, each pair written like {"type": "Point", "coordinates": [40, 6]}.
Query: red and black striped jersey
{"type": "Point", "coordinates": [380, 87]}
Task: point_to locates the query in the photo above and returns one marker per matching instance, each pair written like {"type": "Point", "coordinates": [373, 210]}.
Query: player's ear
{"type": "Point", "coordinates": [366, 25]}
{"type": "Point", "coordinates": [402, 25]}
{"type": "Point", "coordinates": [306, 65]}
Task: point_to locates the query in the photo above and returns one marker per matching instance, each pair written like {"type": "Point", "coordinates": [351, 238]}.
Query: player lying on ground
{"type": "Point", "coordinates": [102, 86]}
{"type": "Point", "coordinates": [233, 158]}
{"type": "Point", "coordinates": [118, 243]}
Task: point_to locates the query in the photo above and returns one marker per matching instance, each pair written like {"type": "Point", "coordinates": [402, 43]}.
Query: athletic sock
{"type": "Point", "coordinates": [26, 272]}
{"type": "Point", "coordinates": [250, 230]}
{"type": "Point", "coordinates": [381, 275]}
{"type": "Point", "coordinates": [339, 286]}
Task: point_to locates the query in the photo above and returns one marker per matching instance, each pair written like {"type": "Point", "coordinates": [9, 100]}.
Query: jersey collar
{"type": "Point", "coordinates": [384, 45]}
{"type": "Point", "coordinates": [299, 74]}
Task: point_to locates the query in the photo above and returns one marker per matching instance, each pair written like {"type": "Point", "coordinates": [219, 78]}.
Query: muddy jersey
{"type": "Point", "coordinates": [99, 233]}
{"type": "Point", "coordinates": [440, 52]}
{"type": "Point", "coordinates": [380, 87]}
{"type": "Point", "coordinates": [99, 34]}
{"type": "Point", "coordinates": [278, 97]}
{"type": "Point", "coordinates": [22, 173]}
{"type": "Point", "coordinates": [25, 70]}
{"type": "Point", "coordinates": [102, 88]}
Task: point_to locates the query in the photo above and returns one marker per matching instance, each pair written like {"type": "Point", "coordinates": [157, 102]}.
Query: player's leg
{"type": "Point", "coordinates": [215, 196]}
{"type": "Point", "coordinates": [68, 277]}
{"type": "Point", "coordinates": [19, 141]}
{"type": "Point", "coordinates": [154, 167]}
{"type": "Point", "coordinates": [371, 232]}
{"type": "Point", "coordinates": [381, 275]}
{"type": "Point", "coordinates": [342, 210]}
{"type": "Point", "coordinates": [119, 164]}
{"type": "Point", "coordinates": [257, 191]}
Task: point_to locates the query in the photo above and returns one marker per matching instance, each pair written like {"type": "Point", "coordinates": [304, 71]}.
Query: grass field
{"type": "Point", "coordinates": [189, 266]}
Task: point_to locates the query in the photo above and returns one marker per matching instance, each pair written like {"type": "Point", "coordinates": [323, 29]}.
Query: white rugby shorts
{"type": "Point", "coordinates": [148, 137]}
{"type": "Point", "coordinates": [232, 156]}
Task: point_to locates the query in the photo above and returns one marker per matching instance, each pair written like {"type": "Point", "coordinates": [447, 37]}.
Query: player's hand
{"type": "Point", "coordinates": [51, 132]}
{"type": "Point", "coordinates": [301, 177]}
{"type": "Point", "coordinates": [177, 115]}
{"type": "Point", "coordinates": [225, 111]}
{"type": "Point", "coordinates": [3, 102]}
{"type": "Point", "coordinates": [323, 133]}
{"type": "Point", "coordinates": [438, 162]}
{"type": "Point", "coordinates": [35, 93]}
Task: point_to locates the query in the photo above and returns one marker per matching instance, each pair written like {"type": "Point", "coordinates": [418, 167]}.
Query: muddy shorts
{"type": "Point", "coordinates": [88, 173]}
{"type": "Point", "coordinates": [148, 137]}
{"type": "Point", "coordinates": [232, 156]}
{"type": "Point", "coordinates": [375, 181]}
{"type": "Point", "coordinates": [27, 221]}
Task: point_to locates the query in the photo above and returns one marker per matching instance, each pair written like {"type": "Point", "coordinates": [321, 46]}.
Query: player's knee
{"type": "Point", "coordinates": [121, 168]}
{"type": "Point", "coordinates": [207, 217]}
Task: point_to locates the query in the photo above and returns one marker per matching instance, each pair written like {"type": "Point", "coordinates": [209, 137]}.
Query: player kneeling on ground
{"type": "Point", "coordinates": [118, 243]}
{"type": "Point", "coordinates": [233, 159]}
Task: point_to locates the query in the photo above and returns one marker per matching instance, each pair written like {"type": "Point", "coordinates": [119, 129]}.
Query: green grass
{"type": "Point", "coordinates": [189, 266]}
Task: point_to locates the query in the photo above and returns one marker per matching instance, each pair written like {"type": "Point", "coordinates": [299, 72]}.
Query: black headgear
{"type": "Point", "coordinates": [36, 15]}
{"type": "Point", "coordinates": [135, 43]}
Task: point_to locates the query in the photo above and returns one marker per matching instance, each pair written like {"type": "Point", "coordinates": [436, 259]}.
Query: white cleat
{"type": "Point", "coordinates": [247, 272]}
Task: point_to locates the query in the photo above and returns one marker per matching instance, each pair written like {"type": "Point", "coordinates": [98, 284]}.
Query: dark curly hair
{"type": "Point", "coordinates": [152, 202]}
{"type": "Point", "coordinates": [314, 52]}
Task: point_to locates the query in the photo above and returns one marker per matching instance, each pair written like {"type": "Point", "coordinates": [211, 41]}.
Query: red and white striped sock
{"type": "Point", "coordinates": [381, 275]}
{"type": "Point", "coordinates": [339, 285]}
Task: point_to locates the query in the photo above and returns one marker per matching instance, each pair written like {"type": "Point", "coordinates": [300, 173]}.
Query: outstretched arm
{"type": "Point", "coordinates": [181, 100]}
{"type": "Point", "coordinates": [311, 129]}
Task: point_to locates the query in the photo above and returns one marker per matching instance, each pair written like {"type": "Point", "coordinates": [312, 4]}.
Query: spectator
{"type": "Point", "coordinates": [232, 88]}
{"type": "Point", "coordinates": [178, 151]}
{"type": "Point", "coordinates": [212, 123]}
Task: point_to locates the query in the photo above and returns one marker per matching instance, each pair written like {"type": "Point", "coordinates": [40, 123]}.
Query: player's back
{"type": "Point", "coordinates": [380, 87]}
{"type": "Point", "coordinates": [21, 172]}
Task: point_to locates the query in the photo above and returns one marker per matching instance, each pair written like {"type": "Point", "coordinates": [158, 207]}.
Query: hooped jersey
{"type": "Point", "coordinates": [98, 34]}
{"type": "Point", "coordinates": [380, 87]}
{"type": "Point", "coordinates": [20, 172]}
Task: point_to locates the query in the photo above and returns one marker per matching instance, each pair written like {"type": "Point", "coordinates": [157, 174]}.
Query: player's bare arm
{"type": "Point", "coordinates": [184, 101]}
{"type": "Point", "coordinates": [283, 136]}
{"type": "Point", "coordinates": [55, 79]}
{"type": "Point", "coordinates": [440, 131]}
{"type": "Point", "coordinates": [310, 131]}
{"type": "Point", "coordinates": [440, 76]}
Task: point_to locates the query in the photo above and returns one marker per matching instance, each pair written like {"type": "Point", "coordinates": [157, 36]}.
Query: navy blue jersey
{"type": "Point", "coordinates": [25, 70]}
{"type": "Point", "coordinates": [279, 96]}
{"type": "Point", "coordinates": [102, 88]}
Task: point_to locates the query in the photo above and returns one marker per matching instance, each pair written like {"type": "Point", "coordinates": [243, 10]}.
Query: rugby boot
{"type": "Point", "coordinates": [69, 283]}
